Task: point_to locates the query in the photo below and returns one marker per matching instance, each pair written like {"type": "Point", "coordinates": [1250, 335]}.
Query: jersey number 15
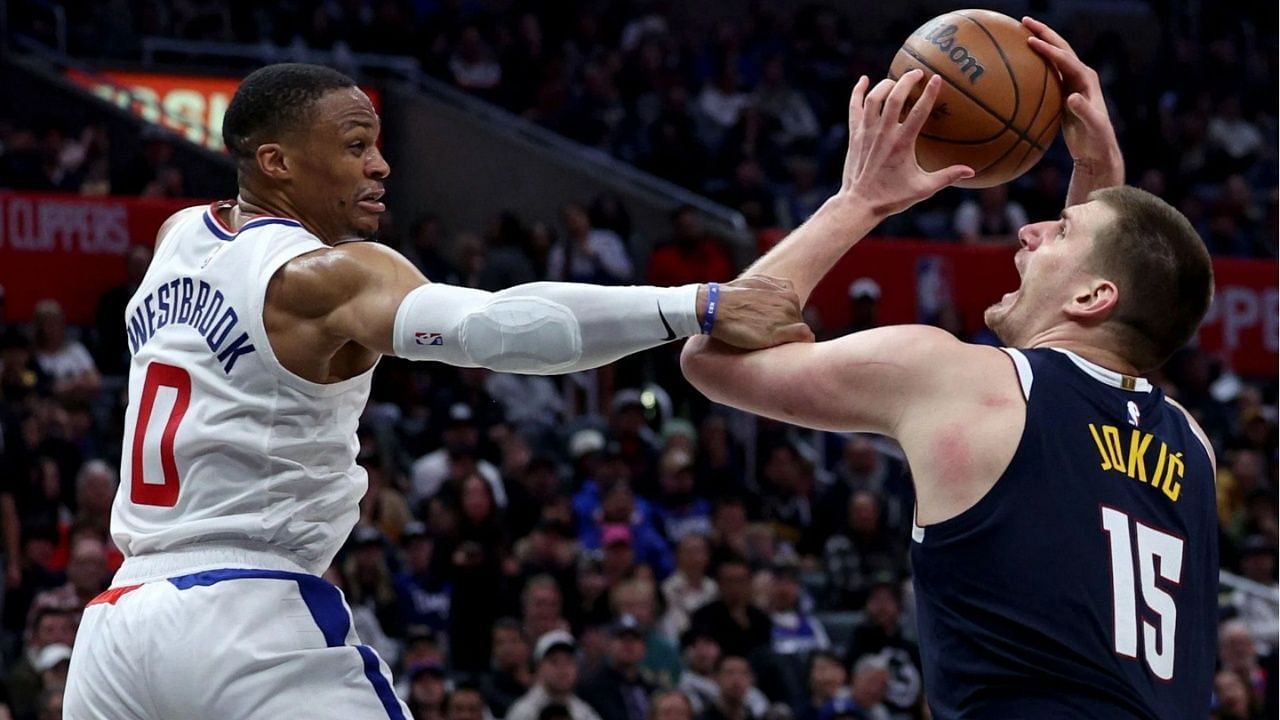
{"type": "Point", "coordinates": [1158, 553]}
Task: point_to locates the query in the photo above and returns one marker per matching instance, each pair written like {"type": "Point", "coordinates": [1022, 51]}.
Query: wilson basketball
{"type": "Point", "coordinates": [1000, 104]}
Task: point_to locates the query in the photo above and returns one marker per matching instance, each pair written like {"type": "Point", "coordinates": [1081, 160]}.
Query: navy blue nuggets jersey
{"type": "Point", "coordinates": [1084, 584]}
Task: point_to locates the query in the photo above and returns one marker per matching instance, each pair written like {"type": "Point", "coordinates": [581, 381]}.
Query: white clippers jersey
{"type": "Point", "coordinates": [222, 444]}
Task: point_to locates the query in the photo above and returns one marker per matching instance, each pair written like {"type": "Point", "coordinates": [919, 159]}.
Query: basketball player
{"type": "Point", "coordinates": [1064, 555]}
{"type": "Point", "coordinates": [254, 336]}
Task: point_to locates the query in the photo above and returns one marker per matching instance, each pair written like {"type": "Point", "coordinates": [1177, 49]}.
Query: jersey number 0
{"type": "Point", "coordinates": [1158, 553]}
{"type": "Point", "coordinates": [176, 383]}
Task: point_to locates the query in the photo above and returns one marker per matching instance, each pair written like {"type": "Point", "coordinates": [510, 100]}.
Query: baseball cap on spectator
{"type": "Point", "coordinates": [678, 426]}
{"type": "Point", "coordinates": [1257, 545]}
{"type": "Point", "coordinates": [615, 534]}
{"type": "Point", "coordinates": [419, 669]}
{"type": "Point", "coordinates": [841, 708]}
{"type": "Point", "coordinates": [551, 642]}
{"type": "Point", "coordinates": [50, 656]}
{"type": "Point", "coordinates": [420, 634]}
{"type": "Point", "coordinates": [626, 625]}
{"type": "Point", "coordinates": [587, 440]}
{"type": "Point", "coordinates": [460, 414]}
{"type": "Point", "coordinates": [624, 399]}
{"type": "Point", "coordinates": [365, 536]}
{"type": "Point", "coordinates": [414, 530]}
{"type": "Point", "coordinates": [864, 287]}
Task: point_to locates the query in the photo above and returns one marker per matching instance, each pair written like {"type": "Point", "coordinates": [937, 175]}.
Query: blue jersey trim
{"type": "Point", "coordinates": [222, 234]}
{"type": "Point", "coordinates": [217, 231]}
{"type": "Point", "coordinates": [324, 601]}
{"type": "Point", "coordinates": [379, 682]}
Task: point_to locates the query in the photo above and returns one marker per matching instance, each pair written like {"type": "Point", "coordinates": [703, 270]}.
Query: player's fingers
{"type": "Point", "coordinates": [1046, 33]}
{"type": "Point", "coordinates": [1080, 106]}
{"type": "Point", "coordinates": [856, 100]}
{"type": "Point", "coordinates": [924, 105]}
{"type": "Point", "coordinates": [875, 102]}
{"type": "Point", "coordinates": [899, 94]}
{"type": "Point", "coordinates": [795, 332]}
{"type": "Point", "coordinates": [948, 176]}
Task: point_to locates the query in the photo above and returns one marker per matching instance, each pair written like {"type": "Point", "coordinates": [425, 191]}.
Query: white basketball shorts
{"type": "Point", "coordinates": [235, 643]}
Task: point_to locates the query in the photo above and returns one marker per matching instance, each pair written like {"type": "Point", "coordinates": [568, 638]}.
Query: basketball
{"type": "Point", "coordinates": [1000, 104]}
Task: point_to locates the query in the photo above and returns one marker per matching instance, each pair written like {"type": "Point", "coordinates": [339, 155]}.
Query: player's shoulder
{"type": "Point", "coordinates": [1195, 429]}
{"type": "Point", "coordinates": [175, 220]}
{"type": "Point", "coordinates": [321, 279]}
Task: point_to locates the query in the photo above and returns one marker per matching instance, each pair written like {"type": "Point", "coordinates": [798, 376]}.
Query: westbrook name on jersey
{"type": "Point", "coordinates": [1084, 583]}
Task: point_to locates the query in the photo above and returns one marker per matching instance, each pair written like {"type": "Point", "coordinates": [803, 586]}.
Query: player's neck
{"type": "Point", "coordinates": [251, 204]}
{"type": "Point", "coordinates": [1091, 351]}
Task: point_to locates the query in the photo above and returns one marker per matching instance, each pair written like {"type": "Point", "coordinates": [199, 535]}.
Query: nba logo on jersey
{"type": "Point", "coordinates": [424, 338]}
{"type": "Point", "coordinates": [1134, 415]}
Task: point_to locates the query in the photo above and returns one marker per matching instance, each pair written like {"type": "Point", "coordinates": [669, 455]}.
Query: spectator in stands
{"type": "Point", "coordinates": [87, 576]}
{"type": "Point", "coordinates": [474, 66]}
{"type": "Point", "coordinates": [786, 490]}
{"type": "Point", "coordinates": [638, 599]}
{"type": "Point", "coordinates": [465, 703]}
{"type": "Point", "coordinates": [95, 491]}
{"type": "Point", "coordinates": [557, 674]}
{"type": "Point", "coordinates": [587, 254]}
{"type": "Point", "coordinates": [506, 264]}
{"type": "Point", "coordinates": [827, 684]}
{"type": "Point", "coordinates": [426, 238]}
{"type": "Point", "coordinates": [50, 627]}
{"type": "Point", "coordinates": [1238, 654]}
{"type": "Point", "coordinates": [455, 460]}
{"type": "Point", "coordinates": [383, 506]}
{"type": "Point", "coordinates": [368, 582]}
{"type": "Point", "coordinates": [691, 255]}
{"type": "Point", "coordinates": [1258, 563]}
{"type": "Point", "coordinates": [782, 103]}
{"type": "Point", "coordinates": [637, 444]}
{"type": "Point", "coordinates": [796, 630]}
{"type": "Point", "coordinates": [881, 635]}
{"type": "Point", "coordinates": [689, 587]}
{"type": "Point", "coordinates": [864, 305]}
{"type": "Point", "coordinates": [510, 675]}
{"type": "Point", "coordinates": [862, 550]}
{"type": "Point", "coordinates": [992, 217]}
{"type": "Point", "coordinates": [110, 337]}
{"type": "Point", "coordinates": [734, 682]}
{"type": "Point", "coordinates": [424, 593]}
{"type": "Point", "coordinates": [50, 703]}
{"type": "Point", "coordinates": [542, 606]}
{"type": "Point", "coordinates": [422, 647]}
{"type": "Point", "coordinates": [739, 627]}
{"type": "Point", "coordinates": [671, 705]}
{"type": "Point", "coordinates": [803, 195]}
{"type": "Point", "coordinates": [680, 512]}
{"type": "Point", "coordinates": [428, 689]}
{"type": "Point", "coordinates": [480, 563]}
{"type": "Point", "coordinates": [721, 103]}
{"type": "Point", "coordinates": [868, 687]}
{"type": "Point", "coordinates": [74, 374]}
{"type": "Point", "coordinates": [1231, 696]}
{"type": "Point", "coordinates": [621, 689]}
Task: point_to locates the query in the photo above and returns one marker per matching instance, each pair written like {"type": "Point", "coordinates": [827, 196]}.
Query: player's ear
{"type": "Point", "coordinates": [271, 161]}
{"type": "Point", "coordinates": [1093, 300]}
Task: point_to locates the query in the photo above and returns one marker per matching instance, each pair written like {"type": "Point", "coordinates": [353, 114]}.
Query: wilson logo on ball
{"type": "Point", "coordinates": [942, 37]}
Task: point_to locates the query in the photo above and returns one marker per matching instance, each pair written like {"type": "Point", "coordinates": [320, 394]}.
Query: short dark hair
{"type": "Point", "coordinates": [1160, 265]}
{"type": "Point", "coordinates": [273, 100]}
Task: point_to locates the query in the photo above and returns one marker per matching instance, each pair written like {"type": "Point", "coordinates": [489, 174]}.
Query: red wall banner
{"type": "Point", "coordinates": [190, 105]}
{"type": "Point", "coordinates": [72, 249]}
{"type": "Point", "coordinates": [916, 277]}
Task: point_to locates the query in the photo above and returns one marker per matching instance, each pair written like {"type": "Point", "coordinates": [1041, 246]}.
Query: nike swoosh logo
{"type": "Point", "coordinates": [671, 334]}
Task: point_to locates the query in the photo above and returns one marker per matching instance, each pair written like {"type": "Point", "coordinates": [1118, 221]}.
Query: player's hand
{"type": "Point", "coordinates": [758, 312]}
{"type": "Point", "coordinates": [880, 168]}
{"type": "Point", "coordinates": [1086, 126]}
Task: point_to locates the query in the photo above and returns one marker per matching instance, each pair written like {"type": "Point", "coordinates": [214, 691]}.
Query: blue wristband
{"type": "Point", "coordinates": [713, 301]}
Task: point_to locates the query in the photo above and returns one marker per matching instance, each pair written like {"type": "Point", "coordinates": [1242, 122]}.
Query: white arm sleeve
{"type": "Point", "coordinates": [540, 328]}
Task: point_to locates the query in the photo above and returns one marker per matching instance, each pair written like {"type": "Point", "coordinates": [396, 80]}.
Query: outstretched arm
{"type": "Point", "coordinates": [1086, 127]}
{"type": "Point", "coordinates": [881, 177]}
{"type": "Point", "coordinates": [369, 294]}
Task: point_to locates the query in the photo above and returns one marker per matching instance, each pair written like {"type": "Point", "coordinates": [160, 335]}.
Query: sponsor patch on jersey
{"type": "Point", "coordinates": [428, 338]}
{"type": "Point", "coordinates": [1134, 416]}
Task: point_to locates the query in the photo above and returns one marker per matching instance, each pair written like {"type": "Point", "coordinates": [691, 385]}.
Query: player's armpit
{"type": "Point", "coordinates": [865, 381]}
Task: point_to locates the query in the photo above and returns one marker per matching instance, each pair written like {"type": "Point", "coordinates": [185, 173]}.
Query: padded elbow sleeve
{"type": "Point", "coordinates": [473, 328]}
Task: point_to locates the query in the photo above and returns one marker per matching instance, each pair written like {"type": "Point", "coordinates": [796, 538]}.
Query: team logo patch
{"type": "Point", "coordinates": [428, 338]}
{"type": "Point", "coordinates": [1134, 416]}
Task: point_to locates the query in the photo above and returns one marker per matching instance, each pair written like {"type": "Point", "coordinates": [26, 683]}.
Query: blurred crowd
{"type": "Point", "coordinates": [604, 546]}
{"type": "Point", "coordinates": [750, 109]}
